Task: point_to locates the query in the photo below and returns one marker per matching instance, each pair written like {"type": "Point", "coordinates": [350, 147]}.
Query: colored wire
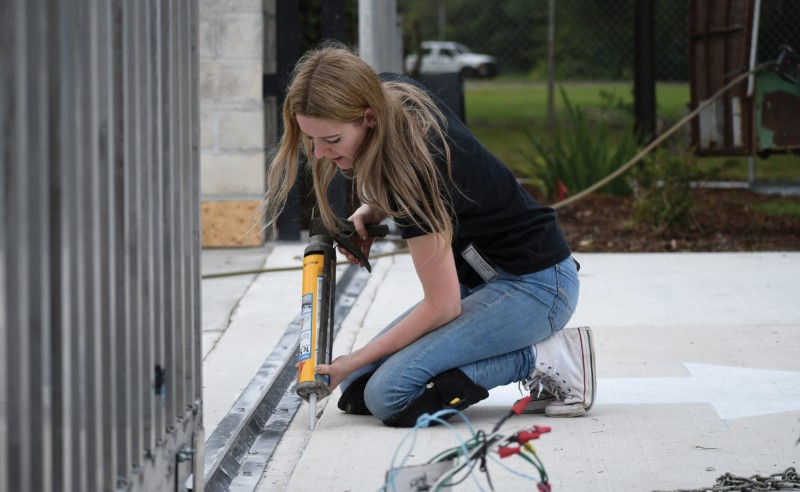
{"type": "Point", "coordinates": [474, 450]}
{"type": "Point", "coordinates": [423, 421]}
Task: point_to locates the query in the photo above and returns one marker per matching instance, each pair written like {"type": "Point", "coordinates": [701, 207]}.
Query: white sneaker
{"type": "Point", "coordinates": [565, 367]}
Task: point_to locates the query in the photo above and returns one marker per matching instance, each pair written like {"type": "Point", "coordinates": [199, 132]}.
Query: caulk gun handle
{"type": "Point", "coordinates": [373, 230]}
{"type": "Point", "coordinates": [348, 228]}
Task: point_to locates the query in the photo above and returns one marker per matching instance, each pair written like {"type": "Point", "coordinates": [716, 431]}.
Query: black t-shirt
{"type": "Point", "coordinates": [492, 211]}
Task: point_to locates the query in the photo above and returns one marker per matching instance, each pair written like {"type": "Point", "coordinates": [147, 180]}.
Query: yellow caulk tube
{"type": "Point", "coordinates": [316, 320]}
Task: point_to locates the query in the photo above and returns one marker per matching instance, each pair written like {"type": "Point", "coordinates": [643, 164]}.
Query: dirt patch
{"type": "Point", "coordinates": [724, 220]}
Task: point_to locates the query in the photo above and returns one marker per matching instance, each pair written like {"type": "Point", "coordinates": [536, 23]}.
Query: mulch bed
{"type": "Point", "coordinates": [724, 220]}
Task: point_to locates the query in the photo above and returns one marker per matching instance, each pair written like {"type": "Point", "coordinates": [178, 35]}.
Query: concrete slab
{"type": "Point", "coordinates": [699, 374]}
{"type": "Point", "coordinates": [220, 296]}
{"type": "Point", "coordinates": [684, 289]}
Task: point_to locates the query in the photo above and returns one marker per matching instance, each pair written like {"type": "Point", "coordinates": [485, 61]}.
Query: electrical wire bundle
{"type": "Point", "coordinates": [474, 452]}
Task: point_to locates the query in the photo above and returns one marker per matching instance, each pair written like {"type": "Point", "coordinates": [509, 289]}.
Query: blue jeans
{"type": "Point", "coordinates": [490, 341]}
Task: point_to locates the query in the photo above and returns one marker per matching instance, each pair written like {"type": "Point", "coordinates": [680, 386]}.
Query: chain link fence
{"type": "Point", "coordinates": [779, 24]}
{"type": "Point", "coordinates": [594, 50]}
{"type": "Point", "coordinates": [593, 40]}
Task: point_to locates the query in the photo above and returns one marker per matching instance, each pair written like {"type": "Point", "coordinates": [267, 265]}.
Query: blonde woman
{"type": "Point", "coordinates": [498, 279]}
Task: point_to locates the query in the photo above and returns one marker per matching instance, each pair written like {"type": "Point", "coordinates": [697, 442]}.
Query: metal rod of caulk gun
{"type": "Point", "coordinates": [324, 337]}
{"type": "Point", "coordinates": [325, 350]}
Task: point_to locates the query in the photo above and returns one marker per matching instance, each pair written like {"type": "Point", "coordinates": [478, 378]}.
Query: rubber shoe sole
{"type": "Point", "coordinates": [560, 409]}
{"type": "Point", "coordinates": [538, 405]}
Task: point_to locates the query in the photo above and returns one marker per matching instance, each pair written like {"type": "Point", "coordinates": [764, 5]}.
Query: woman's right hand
{"type": "Point", "coordinates": [336, 371]}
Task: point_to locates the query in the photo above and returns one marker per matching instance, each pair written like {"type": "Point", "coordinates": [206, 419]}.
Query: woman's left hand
{"type": "Point", "coordinates": [337, 370]}
{"type": "Point", "coordinates": [365, 245]}
{"type": "Point", "coordinates": [363, 216]}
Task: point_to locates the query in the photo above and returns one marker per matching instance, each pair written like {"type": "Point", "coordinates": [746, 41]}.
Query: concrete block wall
{"type": "Point", "coordinates": [232, 114]}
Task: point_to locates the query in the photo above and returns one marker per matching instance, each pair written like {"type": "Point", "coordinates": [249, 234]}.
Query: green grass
{"type": "Point", "coordinates": [497, 111]}
{"type": "Point", "coordinates": [778, 167]}
{"type": "Point", "coordinates": [781, 208]}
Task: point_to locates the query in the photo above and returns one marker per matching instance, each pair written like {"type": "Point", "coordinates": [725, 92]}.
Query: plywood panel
{"type": "Point", "coordinates": [232, 223]}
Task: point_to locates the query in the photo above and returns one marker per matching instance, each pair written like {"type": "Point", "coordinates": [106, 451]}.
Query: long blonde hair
{"type": "Point", "coordinates": [395, 168]}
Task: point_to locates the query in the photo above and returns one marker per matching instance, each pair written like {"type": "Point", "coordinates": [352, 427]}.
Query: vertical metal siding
{"type": "Point", "coordinates": [100, 330]}
{"type": "Point", "coordinates": [6, 44]}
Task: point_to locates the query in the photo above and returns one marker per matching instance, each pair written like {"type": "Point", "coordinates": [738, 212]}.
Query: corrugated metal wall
{"type": "Point", "coordinates": [100, 357]}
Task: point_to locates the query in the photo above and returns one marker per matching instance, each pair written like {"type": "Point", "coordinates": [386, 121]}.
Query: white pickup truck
{"type": "Point", "coordinates": [448, 56]}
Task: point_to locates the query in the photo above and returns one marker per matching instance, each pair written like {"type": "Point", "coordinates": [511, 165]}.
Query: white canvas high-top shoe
{"type": "Point", "coordinates": [564, 368]}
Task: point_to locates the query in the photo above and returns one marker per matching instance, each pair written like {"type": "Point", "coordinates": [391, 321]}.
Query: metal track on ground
{"type": "Point", "coordinates": [237, 452]}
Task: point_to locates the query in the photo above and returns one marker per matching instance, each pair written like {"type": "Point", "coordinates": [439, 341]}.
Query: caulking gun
{"type": "Point", "coordinates": [318, 303]}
